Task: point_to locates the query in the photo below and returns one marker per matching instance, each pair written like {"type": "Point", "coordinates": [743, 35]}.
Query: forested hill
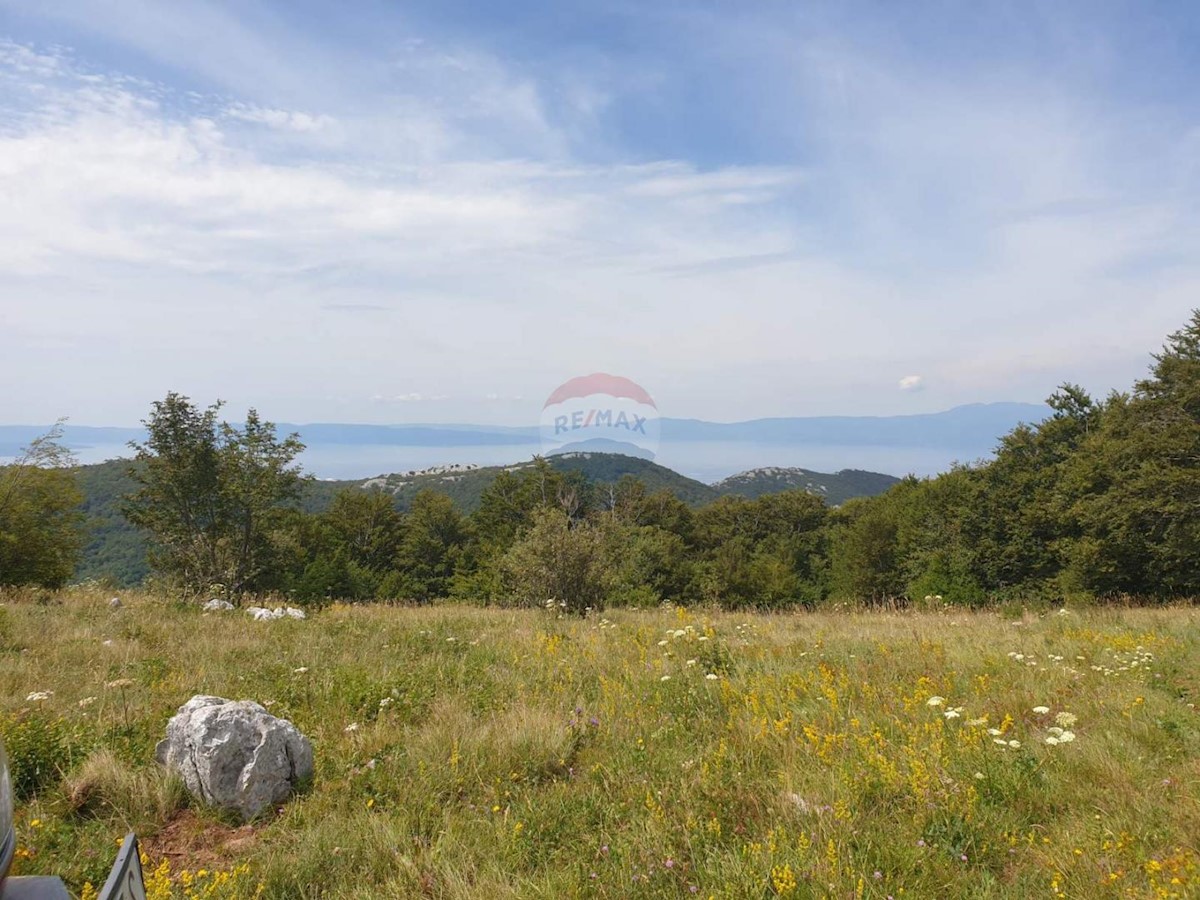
{"type": "Point", "coordinates": [115, 549]}
{"type": "Point", "coordinates": [836, 489]}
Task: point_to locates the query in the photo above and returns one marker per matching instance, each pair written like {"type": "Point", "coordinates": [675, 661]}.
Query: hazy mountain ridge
{"type": "Point", "coordinates": [974, 427]}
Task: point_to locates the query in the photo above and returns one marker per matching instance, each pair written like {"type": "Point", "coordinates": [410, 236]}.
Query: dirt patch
{"type": "Point", "coordinates": [192, 842]}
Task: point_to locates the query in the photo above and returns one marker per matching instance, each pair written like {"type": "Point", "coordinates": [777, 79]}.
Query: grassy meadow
{"type": "Point", "coordinates": [467, 752]}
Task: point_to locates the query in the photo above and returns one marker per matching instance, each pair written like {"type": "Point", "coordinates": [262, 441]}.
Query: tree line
{"type": "Point", "coordinates": [1099, 500]}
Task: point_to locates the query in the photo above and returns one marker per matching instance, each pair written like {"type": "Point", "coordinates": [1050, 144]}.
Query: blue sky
{"type": "Point", "coordinates": [407, 212]}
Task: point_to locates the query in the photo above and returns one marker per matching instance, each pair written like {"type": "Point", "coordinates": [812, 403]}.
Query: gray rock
{"type": "Point", "coordinates": [215, 605]}
{"type": "Point", "coordinates": [262, 614]}
{"type": "Point", "coordinates": [235, 755]}
{"type": "Point", "coordinates": [115, 602]}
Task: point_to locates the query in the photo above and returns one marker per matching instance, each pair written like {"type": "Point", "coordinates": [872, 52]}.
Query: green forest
{"type": "Point", "coordinates": [1101, 500]}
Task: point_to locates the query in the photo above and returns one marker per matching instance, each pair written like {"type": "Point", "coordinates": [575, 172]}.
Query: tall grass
{"type": "Point", "coordinates": [467, 752]}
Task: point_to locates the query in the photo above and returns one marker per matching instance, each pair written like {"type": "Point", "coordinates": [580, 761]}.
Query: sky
{"type": "Point", "coordinates": [439, 211]}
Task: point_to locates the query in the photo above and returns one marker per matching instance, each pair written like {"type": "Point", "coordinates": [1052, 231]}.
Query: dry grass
{"type": "Point", "coordinates": [468, 753]}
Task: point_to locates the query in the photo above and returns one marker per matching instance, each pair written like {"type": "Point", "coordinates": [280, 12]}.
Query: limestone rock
{"type": "Point", "coordinates": [235, 755]}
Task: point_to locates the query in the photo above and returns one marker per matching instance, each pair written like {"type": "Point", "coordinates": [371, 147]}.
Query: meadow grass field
{"type": "Point", "coordinates": [466, 752]}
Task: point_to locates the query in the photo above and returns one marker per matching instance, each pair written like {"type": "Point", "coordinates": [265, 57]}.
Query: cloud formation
{"type": "Point", "coordinates": [236, 206]}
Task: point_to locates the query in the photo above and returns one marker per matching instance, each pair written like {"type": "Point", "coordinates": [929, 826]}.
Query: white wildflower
{"type": "Point", "coordinates": [1041, 710]}
{"type": "Point", "coordinates": [935, 701]}
{"type": "Point", "coordinates": [38, 696]}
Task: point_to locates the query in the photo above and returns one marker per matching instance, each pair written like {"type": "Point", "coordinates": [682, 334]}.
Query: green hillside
{"type": "Point", "coordinates": [836, 489]}
{"type": "Point", "coordinates": [117, 551]}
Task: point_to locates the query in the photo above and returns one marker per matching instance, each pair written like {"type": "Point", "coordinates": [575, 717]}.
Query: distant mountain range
{"type": "Point", "coordinates": [117, 550]}
{"type": "Point", "coordinates": [706, 451]}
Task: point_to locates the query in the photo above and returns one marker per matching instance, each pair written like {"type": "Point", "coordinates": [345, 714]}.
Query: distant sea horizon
{"type": "Point", "coordinates": [706, 461]}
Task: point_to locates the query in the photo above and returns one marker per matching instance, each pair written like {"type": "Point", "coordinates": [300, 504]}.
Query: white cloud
{"type": "Point", "coordinates": [912, 383]}
{"type": "Point", "coordinates": [443, 220]}
{"type": "Point", "coordinates": [282, 119]}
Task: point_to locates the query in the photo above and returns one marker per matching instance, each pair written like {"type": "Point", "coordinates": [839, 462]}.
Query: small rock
{"type": "Point", "coordinates": [115, 603]}
{"type": "Point", "coordinates": [235, 755]}
{"type": "Point", "coordinates": [262, 614]}
{"type": "Point", "coordinates": [215, 605]}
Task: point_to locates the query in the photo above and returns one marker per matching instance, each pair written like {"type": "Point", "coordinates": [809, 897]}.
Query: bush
{"type": "Point", "coordinates": [555, 560]}
{"type": "Point", "coordinates": [40, 749]}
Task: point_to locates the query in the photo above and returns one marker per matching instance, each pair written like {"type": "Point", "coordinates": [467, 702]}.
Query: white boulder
{"type": "Point", "coordinates": [215, 605]}
{"type": "Point", "coordinates": [235, 755]}
{"type": "Point", "coordinates": [262, 614]}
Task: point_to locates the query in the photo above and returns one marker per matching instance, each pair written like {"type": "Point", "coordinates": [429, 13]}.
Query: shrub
{"type": "Point", "coordinates": [40, 749]}
{"type": "Point", "coordinates": [560, 561]}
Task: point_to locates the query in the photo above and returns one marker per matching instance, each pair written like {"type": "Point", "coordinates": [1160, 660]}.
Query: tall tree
{"type": "Point", "coordinates": [207, 492]}
{"type": "Point", "coordinates": [40, 520]}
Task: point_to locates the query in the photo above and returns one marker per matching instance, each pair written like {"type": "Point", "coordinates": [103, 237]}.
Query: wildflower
{"type": "Point", "coordinates": [86, 701]}
{"type": "Point", "coordinates": [975, 723]}
{"type": "Point", "coordinates": [665, 678]}
{"type": "Point", "coordinates": [669, 864]}
{"type": "Point", "coordinates": [935, 701]}
{"type": "Point", "coordinates": [1052, 740]}
{"type": "Point", "coordinates": [1015, 745]}
{"type": "Point", "coordinates": [353, 726]}
{"type": "Point", "coordinates": [300, 671]}
{"type": "Point", "coordinates": [1066, 737]}
{"type": "Point", "coordinates": [1041, 710]}
{"type": "Point", "coordinates": [954, 713]}
{"type": "Point", "coordinates": [692, 662]}
{"type": "Point", "coordinates": [711, 676]}
{"type": "Point", "coordinates": [38, 696]}
{"type": "Point", "coordinates": [1065, 719]}
{"type": "Point", "coordinates": [119, 683]}
{"type": "Point", "coordinates": [386, 702]}
{"type": "Point", "coordinates": [663, 643]}
{"type": "Point", "coordinates": [1055, 730]}
{"type": "Point", "coordinates": [995, 731]}
{"type": "Point", "coordinates": [979, 776]}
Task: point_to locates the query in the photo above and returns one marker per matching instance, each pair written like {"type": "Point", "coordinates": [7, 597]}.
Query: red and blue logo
{"type": "Point", "coordinates": [600, 413]}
